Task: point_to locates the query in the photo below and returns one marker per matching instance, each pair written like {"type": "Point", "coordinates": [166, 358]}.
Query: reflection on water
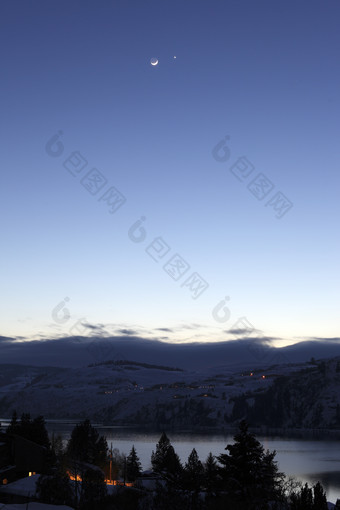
{"type": "Point", "coordinates": [307, 460]}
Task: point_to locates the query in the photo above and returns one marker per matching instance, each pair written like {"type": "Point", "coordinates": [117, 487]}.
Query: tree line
{"type": "Point", "coordinates": [243, 477]}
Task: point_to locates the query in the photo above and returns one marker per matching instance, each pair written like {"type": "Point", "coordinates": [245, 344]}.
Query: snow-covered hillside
{"type": "Point", "coordinates": [126, 392]}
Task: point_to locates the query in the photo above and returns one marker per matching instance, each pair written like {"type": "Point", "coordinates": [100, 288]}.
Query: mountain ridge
{"type": "Point", "coordinates": [123, 392]}
{"type": "Point", "coordinates": [80, 351]}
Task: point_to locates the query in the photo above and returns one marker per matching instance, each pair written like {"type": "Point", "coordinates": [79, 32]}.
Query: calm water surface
{"type": "Point", "coordinates": [307, 460]}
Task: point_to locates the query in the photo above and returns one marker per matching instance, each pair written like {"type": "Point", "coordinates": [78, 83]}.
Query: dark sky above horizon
{"type": "Point", "coordinates": [94, 138]}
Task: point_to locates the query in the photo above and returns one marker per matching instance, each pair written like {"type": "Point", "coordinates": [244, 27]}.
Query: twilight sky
{"type": "Point", "coordinates": [94, 138]}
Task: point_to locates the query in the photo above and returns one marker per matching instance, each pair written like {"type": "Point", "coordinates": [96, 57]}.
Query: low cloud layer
{"type": "Point", "coordinates": [73, 351]}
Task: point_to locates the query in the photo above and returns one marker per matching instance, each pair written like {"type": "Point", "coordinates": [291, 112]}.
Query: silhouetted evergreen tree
{"type": "Point", "coordinates": [39, 433]}
{"type": "Point", "coordinates": [302, 500]}
{"type": "Point", "coordinates": [249, 474]}
{"type": "Point", "coordinates": [193, 472]}
{"type": "Point", "coordinates": [164, 459]}
{"type": "Point", "coordinates": [320, 500]}
{"type": "Point", "coordinates": [34, 430]}
{"type": "Point", "coordinates": [307, 498]}
{"type": "Point", "coordinates": [85, 445]}
{"type": "Point", "coordinates": [133, 465]}
{"type": "Point", "coordinates": [210, 473]}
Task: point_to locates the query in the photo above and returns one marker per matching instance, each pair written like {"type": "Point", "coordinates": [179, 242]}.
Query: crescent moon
{"type": "Point", "coordinates": [154, 61]}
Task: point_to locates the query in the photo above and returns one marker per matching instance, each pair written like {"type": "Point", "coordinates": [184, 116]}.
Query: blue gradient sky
{"type": "Point", "coordinates": [264, 73]}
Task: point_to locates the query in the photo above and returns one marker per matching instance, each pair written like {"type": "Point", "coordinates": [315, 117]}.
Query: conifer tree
{"type": "Point", "coordinates": [85, 445]}
{"type": "Point", "coordinates": [34, 430]}
{"type": "Point", "coordinates": [320, 500]}
{"type": "Point", "coordinates": [165, 460]}
{"type": "Point", "coordinates": [249, 473]}
{"type": "Point", "coordinates": [193, 472]}
{"type": "Point", "coordinates": [210, 473]}
{"type": "Point", "coordinates": [133, 465]}
{"type": "Point", "coordinates": [302, 500]}
{"type": "Point", "coordinates": [39, 433]}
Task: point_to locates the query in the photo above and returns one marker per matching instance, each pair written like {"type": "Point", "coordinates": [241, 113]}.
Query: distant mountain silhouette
{"type": "Point", "coordinates": [81, 351]}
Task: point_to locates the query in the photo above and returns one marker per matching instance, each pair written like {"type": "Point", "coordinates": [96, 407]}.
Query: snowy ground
{"type": "Point", "coordinates": [114, 394]}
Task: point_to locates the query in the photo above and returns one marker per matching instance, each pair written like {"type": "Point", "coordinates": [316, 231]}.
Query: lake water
{"type": "Point", "coordinates": [307, 460]}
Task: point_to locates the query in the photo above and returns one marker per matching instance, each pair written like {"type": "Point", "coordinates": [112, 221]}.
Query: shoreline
{"type": "Point", "coordinates": [282, 432]}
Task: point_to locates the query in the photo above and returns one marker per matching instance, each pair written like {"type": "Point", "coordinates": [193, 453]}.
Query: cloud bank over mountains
{"type": "Point", "coordinates": [77, 351]}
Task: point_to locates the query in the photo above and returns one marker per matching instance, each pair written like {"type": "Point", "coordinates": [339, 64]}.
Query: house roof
{"type": "Point", "coordinates": [22, 487]}
{"type": "Point", "coordinates": [34, 506]}
{"type": "Point", "coordinates": [28, 441]}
